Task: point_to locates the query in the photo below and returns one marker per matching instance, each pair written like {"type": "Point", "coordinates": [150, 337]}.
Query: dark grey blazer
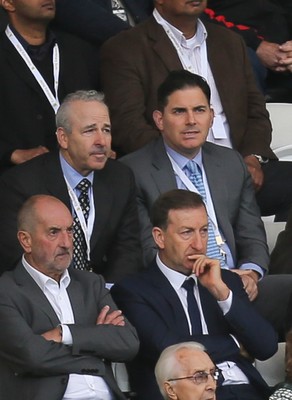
{"type": "Point", "coordinates": [32, 368]}
{"type": "Point", "coordinates": [231, 190]}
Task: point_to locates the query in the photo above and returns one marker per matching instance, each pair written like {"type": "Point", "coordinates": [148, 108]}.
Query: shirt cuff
{"type": "Point", "coordinates": [225, 305]}
{"type": "Point", "coordinates": [66, 335]}
{"type": "Point", "coordinates": [254, 267]}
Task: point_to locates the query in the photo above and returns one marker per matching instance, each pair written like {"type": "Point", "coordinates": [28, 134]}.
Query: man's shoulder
{"type": "Point", "coordinates": [118, 180]}
{"type": "Point", "coordinates": [142, 156]}
{"type": "Point", "coordinates": [86, 278]}
{"type": "Point", "coordinates": [220, 32]}
{"type": "Point", "coordinates": [112, 169]}
{"type": "Point", "coordinates": [221, 153]}
{"type": "Point", "coordinates": [33, 168]}
{"type": "Point", "coordinates": [134, 35]}
{"type": "Point", "coordinates": [142, 282]}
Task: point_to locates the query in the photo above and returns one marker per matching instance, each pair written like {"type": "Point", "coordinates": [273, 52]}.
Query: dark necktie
{"type": "Point", "coordinates": [80, 247]}
{"type": "Point", "coordinates": [193, 309]}
{"type": "Point", "coordinates": [213, 250]}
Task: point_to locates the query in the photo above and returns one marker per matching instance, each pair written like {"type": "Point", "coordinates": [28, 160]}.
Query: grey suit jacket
{"type": "Point", "coordinates": [231, 190]}
{"type": "Point", "coordinates": [32, 368]}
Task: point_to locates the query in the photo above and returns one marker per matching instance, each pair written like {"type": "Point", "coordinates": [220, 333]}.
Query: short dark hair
{"type": "Point", "coordinates": [177, 199]}
{"type": "Point", "coordinates": [178, 80]}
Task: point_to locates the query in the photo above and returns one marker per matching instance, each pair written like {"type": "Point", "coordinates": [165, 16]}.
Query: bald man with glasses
{"type": "Point", "coordinates": [184, 371]}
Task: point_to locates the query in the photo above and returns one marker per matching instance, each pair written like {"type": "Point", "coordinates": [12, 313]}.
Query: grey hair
{"type": "Point", "coordinates": [168, 366]}
{"type": "Point", "coordinates": [63, 113]}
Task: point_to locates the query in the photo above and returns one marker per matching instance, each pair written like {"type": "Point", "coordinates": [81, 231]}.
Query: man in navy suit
{"type": "Point", "coordinates": [215, 311]}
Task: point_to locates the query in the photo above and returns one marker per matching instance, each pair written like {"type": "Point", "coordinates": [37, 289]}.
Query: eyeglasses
{"type": "Point", "coordinates": [200, 376]}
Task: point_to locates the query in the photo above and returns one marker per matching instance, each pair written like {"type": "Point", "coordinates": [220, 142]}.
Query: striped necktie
{"type": "Point", "coordinates": [213, 250]}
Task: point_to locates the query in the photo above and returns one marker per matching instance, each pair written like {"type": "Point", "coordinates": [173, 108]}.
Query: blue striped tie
{"type": "Point", "coordinates": [195, 177]}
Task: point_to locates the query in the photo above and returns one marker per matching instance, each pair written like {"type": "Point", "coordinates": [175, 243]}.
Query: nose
{"type": "Point", "coordinates": [100, 138]}
{"type": "Point", "coordinates": [197, 242]}
{"type": "Point", "coordinates": [211, 383]}
{"type": "Point", "coordinates": [191, 118]}
{"type": "Point", "coordinates": [66, 240]}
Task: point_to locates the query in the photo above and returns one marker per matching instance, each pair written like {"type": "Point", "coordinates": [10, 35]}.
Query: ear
{"type": "Point", "coordinates": [62, 138]}
{"type": "Point", "coordinates": [212, 117]}
{"type": "Point", "coordinates": [158, 119]}
{"type": "Point", "coordinates": [170, 391]}
{"type": "Point", "coordinates": [25, 240]}
{"type": "Point", "coordinates": [158, 236]}
{"type": "Point", "coordinates": [8, 5]}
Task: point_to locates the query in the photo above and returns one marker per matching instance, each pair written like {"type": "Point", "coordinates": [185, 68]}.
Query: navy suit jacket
{"type": "Point", "coordinates": [114, 243]}
{"type": "Point", "coordinates": [94, 20]}
{"type": "Point", "coordinates": [153, 307]}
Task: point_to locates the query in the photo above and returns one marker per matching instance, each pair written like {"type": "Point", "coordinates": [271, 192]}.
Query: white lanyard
{"type": "Point", "coordinates": [191, 187]}
{"type": "Point", "coordinates": [87, 229]}
{"type": "Point", "coordinates": [53, 100]}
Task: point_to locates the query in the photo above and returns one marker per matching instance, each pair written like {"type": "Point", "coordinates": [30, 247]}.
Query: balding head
{"type": "Point", "coordinates": [45, 234]}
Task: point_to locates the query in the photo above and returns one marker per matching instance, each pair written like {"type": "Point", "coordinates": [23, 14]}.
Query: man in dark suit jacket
{"type": "Point", "coordinates": [146, 54]}
{"type": "Point", "coordinates": [84, 138]}
{"type": "Point", "coordinates": [215, 311]}
{"type": "Point", "coordinates": [94, 20]}
{"type": "Point", "coordinates": [60, 329]}
{"type": "Point", "coordinates": [27, 117]}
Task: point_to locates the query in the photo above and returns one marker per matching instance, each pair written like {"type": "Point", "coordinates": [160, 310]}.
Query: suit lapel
{"type": "Point", "coordinates": [218, 68]}
{"type": "Point", "coordinates": [24, 280]}
{"type": "Point", "coordinates": [219, 191]}
{"type": "Point", "coordinates": [217, 186]}
{"type": "Point", "coordinates": [18, 65]}
{"type": "Point", "coordinates": [77, 301]}
{"type": "Point", "coordinates": [54, 179]}
{"type": "Point", "coordinates": [162, 172]}
{"type": "Point", "coordinates": [172, 303]}
{"type": "Point", "coordinates": [102, 203]}
{"type": "Point", "coordinates": [162, 46]}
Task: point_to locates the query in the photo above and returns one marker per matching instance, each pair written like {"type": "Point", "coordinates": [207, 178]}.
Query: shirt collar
{"type": "Point", "coordinates": [72, 176]}
{"type": "Point", "coordinates": [43, 280]}
{"type": "Point", "coordinates": [197, 40]}
{"type": "Point", "coordinates": [36, 52]}
{"type": "Point", "coordinates": [176, 279]}
{"type": "Point", "coordinates": [182, 160]}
